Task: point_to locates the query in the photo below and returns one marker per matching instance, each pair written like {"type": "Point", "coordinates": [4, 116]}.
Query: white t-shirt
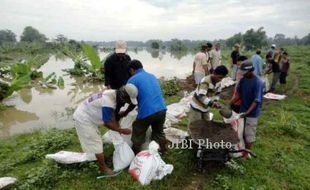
{"type": "Point", "coordinates": [90, 110]}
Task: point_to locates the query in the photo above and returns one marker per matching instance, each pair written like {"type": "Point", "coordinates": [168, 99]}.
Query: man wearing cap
{"type": "Point", "coordinates": [234, 58]}
{"type": "Point", "coordinates": [271, 51]}
{"type": "Point", "coordinates": [250, 90]}
{"type": "Point", "coordinates": [101, 109]}
{"type": "Point", "coordinates": [151, 107]}
{"type": "Point", "coordinates": [116, 72]}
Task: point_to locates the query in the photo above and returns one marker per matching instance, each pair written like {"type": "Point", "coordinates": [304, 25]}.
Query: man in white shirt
{"type": "Point", "coordinates": [215, 57]}
{"type": "Point", "coordinates": [100, 109]}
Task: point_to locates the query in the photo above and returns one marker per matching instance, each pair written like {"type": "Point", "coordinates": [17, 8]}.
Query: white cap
{"type": "Point", "coordinates": [132, 91]}
{"type": "Point", "coordinates": [273, 45]}
{"type": "Point", "coordinates": [120, 46]}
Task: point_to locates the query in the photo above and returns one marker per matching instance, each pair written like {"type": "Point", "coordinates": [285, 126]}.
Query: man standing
{"type": "Point", "coordinates": [257, 63]}
{"type": "Point", "coordinates": [200, 65]}
{"type": "Point", "coordinates": [215, 56]}
{"type": "Point", "coordinates": [205, 95]}
{"type": "Point", "coordinates": [250, 91]}
{"type": "Point", "coordinates": [274, 68]}
{"type": "Point", "coordinates": [234, 58]}
{"type": "Point", "coordinates": [99, 109]}
{"type": "Point", "coordinates": [116, 67]}
{"type": "Point", "coordinates": [151, 107]}
{"type": "Point", "coordinates": [285, 65]}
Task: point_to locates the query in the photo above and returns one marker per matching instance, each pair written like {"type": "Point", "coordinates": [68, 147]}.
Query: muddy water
{"type": "Point", "coordinates": [39, 108]}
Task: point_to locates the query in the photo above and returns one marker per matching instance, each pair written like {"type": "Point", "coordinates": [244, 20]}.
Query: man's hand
{"type": "Point", "coordinates": [216, 105]}
{"type": "Point", "coordinates": [243, 115]}
{"type": "Point", "coordinates": [125, 131]}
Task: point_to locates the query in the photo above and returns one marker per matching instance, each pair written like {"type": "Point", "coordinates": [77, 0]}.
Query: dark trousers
{"type": "Point", "coordinates": [283, 77]}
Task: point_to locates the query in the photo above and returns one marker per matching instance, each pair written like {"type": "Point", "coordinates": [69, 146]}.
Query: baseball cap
{"type": "Point", "coordinates": [273, 45]}
{"type": "Point", "coordinates": [120, 46]}
{"type": "Point", "coordinates": [246, 66]}
{"type": "Point", "coordinates": [237, 45]}
{"type": "Point", "coordinates": [132, 91]}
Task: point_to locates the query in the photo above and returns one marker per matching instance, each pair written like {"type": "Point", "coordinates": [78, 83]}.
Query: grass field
{"type": "Point", "coordinates": [282, 148]}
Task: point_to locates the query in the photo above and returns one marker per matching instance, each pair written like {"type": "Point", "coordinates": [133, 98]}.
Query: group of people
{"type": "Point", "coordinates": [277, 63]}
{"type": "Point", "coordinates": [248, 94]}
{"type": "Point", "coordinates": [126, 83]}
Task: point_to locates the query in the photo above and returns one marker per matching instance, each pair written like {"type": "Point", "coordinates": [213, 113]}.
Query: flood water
{"type": "Point", "coordinates": [40, 108]}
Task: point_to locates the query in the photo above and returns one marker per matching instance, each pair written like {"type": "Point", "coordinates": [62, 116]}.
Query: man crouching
{"type": "Point", "coordinates": [98, 109]}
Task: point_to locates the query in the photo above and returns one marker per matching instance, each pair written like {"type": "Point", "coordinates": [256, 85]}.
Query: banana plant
{"type": "Point", "coordinates": [86, 63]}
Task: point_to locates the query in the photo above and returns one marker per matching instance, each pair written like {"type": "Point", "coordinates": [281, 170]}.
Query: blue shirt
{"type": "Point", "coordinates": [251, 90]}
{"type": "Point", "coordinates": [150, 98]}
{"type": "Point", "coordinates": [258, 64]}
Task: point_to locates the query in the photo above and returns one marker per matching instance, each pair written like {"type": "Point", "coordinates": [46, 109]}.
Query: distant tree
{"type": "Point", "coordinates": [254, 39]}
{"type": "Point", "coordinates": [306, 40]}
{"type": "Point", "coordinates": [60, 38]}
{"type": "Point", "coordinates": [177, 45]}
{"type": "Point", "coordinates": [237, 38]}
{"type": "Point", "coordinates": [7, 36]}
{"type": "Point", "coordinates": [31, 34]}
{"type": "Point", "coordinates": [155, 45]}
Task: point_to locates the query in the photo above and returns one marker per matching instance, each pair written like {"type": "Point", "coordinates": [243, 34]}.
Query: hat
{"type": "Point", "coordinates": [273, 46]}
{"type": "Point", "coordinates": [132, 91]}
{"type": "Point", "coordinates": [120, 46]}
{"type": "Point", "coordinates": [246, 66]}
{"type": "Point", "coordinates": [237, 45]}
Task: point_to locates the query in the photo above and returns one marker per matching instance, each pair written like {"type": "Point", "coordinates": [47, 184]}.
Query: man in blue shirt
{"type": "Point", "coordinates": [151, 107]}
{"type": "Point", "coordinates": [257, 63]}
{"type": "Point", "coordinates": [250, 90]}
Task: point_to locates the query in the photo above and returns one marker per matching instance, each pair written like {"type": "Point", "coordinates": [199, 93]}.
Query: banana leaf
{"type": "Point", "coordinates": [20, 69]}
{"type": "Point", "coordinates": [61, 83]}
{"type": "Point", "coordinates": [93, 57]}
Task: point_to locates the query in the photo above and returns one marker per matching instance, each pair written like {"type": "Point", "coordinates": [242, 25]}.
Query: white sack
{"type": "Point", "coordinates": [67, 157]}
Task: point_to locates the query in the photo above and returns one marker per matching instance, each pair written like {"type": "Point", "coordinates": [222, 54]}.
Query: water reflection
{"type": "Point", "coordinates": [25, 94]}
{"type": "Point", "coordinates": [37, 107]}
{"type": "Point", "coordinates": [12, 116]}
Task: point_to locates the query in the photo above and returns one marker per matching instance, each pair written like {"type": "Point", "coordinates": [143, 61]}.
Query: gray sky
{"type": "Point", "coordinates": [102, 20]}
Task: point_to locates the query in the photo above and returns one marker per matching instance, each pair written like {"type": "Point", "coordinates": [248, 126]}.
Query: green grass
{"type": "Point", "coordinates": [282, 147]}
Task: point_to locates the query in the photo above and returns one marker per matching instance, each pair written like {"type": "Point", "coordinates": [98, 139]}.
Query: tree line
{"type": "Point", "coordinates": [252, 39]}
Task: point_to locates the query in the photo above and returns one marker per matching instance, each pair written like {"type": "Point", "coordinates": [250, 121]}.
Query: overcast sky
{"type": "Point", "coordinates": [102, 20]}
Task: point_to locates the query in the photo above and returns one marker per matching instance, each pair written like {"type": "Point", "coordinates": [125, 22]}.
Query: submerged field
{"type": "Point", "coordinates": [282, 148]}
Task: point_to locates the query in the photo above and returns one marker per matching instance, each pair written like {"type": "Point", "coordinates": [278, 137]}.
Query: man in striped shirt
{"type": "Point", "coordinates": [206, 95]}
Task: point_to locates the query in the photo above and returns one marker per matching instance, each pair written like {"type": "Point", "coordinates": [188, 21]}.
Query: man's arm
{"type": "Point", "coordinates": [194, 65]}
{"type": "Point", "coordinates": [108, 116]}
{"type": "Point", "coordinates": [126, 112]}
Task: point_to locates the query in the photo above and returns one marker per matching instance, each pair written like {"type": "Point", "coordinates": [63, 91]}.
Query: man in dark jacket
{"type": "Point", "coordinates": [116, 67]}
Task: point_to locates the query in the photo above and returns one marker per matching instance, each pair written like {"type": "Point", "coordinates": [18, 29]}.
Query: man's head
{"type": "Point", "coordinates": [219, 73]}
{"type": "Point", "coordinates": [209, 46]}
{"type": "Point", "coordinates": [241, 59]}
{"type": "Point", "coordinates": [204, 48]}
{"type": "Point", "coordinates": [269, 57]}
{"type": "Point", "coordinates": [127, 94]}
{"type": "Point", "coordinates": [273, 46]}
{"type": "Point", "coordinates": [120, 46]}
{"type": "Point", "coordinates": [237, 46]}
{"type": "Point", "coordinates": [247, 69]}
{"type": "Point", "coordinates": [134, 65]}
{"type": "Point", "coordinates": [258, 52]}
{"type": "Point", "coordinates": [284, 54]}
{"type": "Point", "coordinates": [217, 46]}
